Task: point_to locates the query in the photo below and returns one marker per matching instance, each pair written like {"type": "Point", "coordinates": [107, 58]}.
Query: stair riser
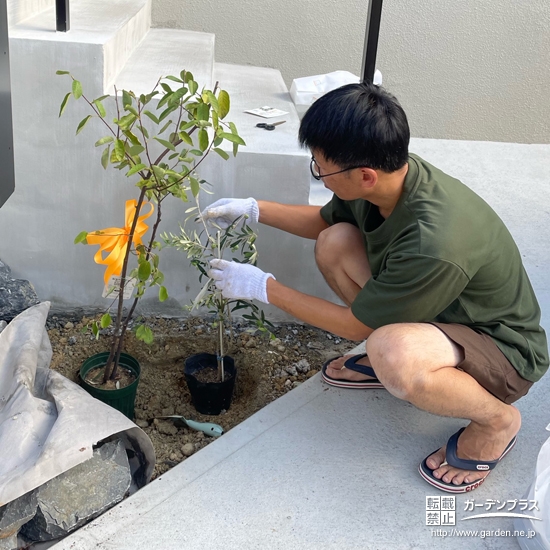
{"type": "Point", "coordinates": [120, 48]}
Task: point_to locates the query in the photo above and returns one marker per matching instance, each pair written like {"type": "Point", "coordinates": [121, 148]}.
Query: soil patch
{"type": "Point", "coordinates": [266, 369]}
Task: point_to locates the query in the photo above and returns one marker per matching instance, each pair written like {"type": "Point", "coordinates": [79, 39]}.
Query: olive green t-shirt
{"type": "Point", "coordinates": [444, 255]}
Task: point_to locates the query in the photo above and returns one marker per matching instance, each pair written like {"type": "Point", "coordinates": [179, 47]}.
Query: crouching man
{"type": "Point", "coordinates": [428, 273]}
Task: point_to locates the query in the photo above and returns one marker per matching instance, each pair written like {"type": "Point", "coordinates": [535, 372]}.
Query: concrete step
{"type": "Point", "coordinates": [164, 52]}
{"type": "Point", "coordinates": [19, 10]}
{"type": "Point", "coordinates": [102, 36]}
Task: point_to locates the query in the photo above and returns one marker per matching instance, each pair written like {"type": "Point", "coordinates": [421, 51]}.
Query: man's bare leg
{"type": "Point", "coordinates": [341, 258]}
{"type": "Point", "coordinates": [416, 362]}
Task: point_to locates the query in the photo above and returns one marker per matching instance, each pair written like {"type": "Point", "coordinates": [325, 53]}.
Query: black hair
{"type": "Point", "coordinates": [358, 125]}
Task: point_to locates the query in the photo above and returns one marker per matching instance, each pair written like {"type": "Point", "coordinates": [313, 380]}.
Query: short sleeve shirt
{"type": "Point", "coordinates": [444, 255]}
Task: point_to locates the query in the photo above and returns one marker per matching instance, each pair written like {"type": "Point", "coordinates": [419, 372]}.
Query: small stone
{"type": "Point", "coordinates": [281, 348]}
{"type": "Point", "coordinates": [302, 366]}
{"type": "Point", "coordinates": [168, 411]}
{"type": "Point", "coordinates": [275, 342]}
{"type": "Point", "coordinates": [314, 345]}
{"type": "Point", "coordinates": [72, 340]}
{"type": "Point", "coordinates": [69, 325]}
{"type": "Point", "coordinates": [142, 423]}
{"type": "Point", "coordinates": [3, 325]}
{"type": "Point", "coordinates": [173, 456]}
{"type": "Point", "coordinates": [329, 336]}
{"type": "Point", "coordinates": [288, 383]}
{"type": "Point", "coordinates": [251, 343]}
{"type": "Point", "coordinates": [311, 373]}
{"type": "Point", "coordinates": [188, 449]}
{"type": "Point", "coordinates": [291, 370]}
{"type": "Point", "coordinates": [296, 384]}
{"type": "Point", "coordinates": [167, 428]}
{"type": "Point", "coordinates": [166, 347]}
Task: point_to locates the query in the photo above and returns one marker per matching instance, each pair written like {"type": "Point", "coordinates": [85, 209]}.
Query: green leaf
{"type": "Point", "coordinates": [126, 99]}
{"type": "Point", "coordinates": [105, 320]}
{"type": "Point", "coordinates": [174, 79]}
{"type": "Point", "coordinates": [135, 169]}
{"type": "Point", "coordinates": [224, 103]}
{"type": "Point", "coordinates": [203, 111]}
{"type": "Point", "coordinates": [126, 121]}
{"type": "Point", "coordinates": [83, 123]}
{"type": "Point", "coordinates": [187, 76]}
{"type": "Point", "coordinates": [166, 87]}
{"type": "Point", "coordinates": [81, 237]}
{"type": "Point", "coordinates": [165, 143]}
{"type": "Point", "coordinates": [62, 72]}
{"type": "Point", "coordinates": [136, 150]}
{"type": "Point", "coordinates": [134, 140]}
{"type": "Point", "coordinates": [195, 186]}
{"type": "Point", "coordinates": [77, 89]}
{"type": "Point", "coordinates": [151, 116]}
{"type": "Point", "coordinates": [234, 138]}
{"type": "Point", "coordinates": [163, 294]}
{"type": "Point", "coordinates": [119, 150]}
{"type": "Point", "coordinates": [104, 140]}
{"type": "Point", "coordinates": [144, 334]}
{"type": "Point", "coordinates": [221, 152]}
{"type": "Point", "coordinates": [203, 139]}
{"type": "Point", "coordinates": [105, 157]}
{"type": "Point", "coordinates": [167, 111]}
{"type": "Point", "coordinates": [193, 87]}
{"type": "Point", "coordinates": [163, 129]}
{"type": "Point", "coordinates": [133, 110]}
{"type": "Point", "coordinates": [100, 107]}
{"type": "Point", "coordinates": [212, 100]}
{"type": "Point", "coordinates": [64, 103]}
{"type": "Point", "coordinates": [95, 330]}
{"type": "Point", "coordinates": [184, 136]}
{"type": "Point", "coordinates": [144, 271]}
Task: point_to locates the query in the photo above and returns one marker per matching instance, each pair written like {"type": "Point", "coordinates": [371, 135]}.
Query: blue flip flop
{"type": "Point", "coordinates": [351, 364]}
{"type": "Point", "coordinates": [463, 464]}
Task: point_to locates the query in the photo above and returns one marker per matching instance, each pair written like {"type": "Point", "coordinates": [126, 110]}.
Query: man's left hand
{"type": "Point", "coordinates": [240, 281]}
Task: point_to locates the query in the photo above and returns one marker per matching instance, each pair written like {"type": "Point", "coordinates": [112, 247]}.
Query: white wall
{"type": "Point", "coordinates": [462, 70]}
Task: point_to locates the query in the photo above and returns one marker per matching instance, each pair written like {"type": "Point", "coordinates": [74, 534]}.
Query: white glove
{"type": "Point", "coordinates": [240, 280]}
{"type": "Point", "coordinates": [224, 212]}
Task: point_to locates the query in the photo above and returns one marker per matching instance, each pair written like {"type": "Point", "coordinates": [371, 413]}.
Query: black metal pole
{"type": "Point", "coordinates": [371, 40]}
{"type": "Point", "coordinates": [63, 20]}
{"type": "Point", "coordinates": [7, 170]}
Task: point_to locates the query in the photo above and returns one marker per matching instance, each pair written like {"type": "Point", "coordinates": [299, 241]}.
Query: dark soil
{"type": "Point", "coordinates": [266, 369]}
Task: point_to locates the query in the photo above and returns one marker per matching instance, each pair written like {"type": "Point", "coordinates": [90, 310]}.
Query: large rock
{"type": "Point", "coordinates": [16, 295]}
{"type": "Point", "coordinates": [12, 516]}
{"type": "Point", "coordinates": [80, 494]}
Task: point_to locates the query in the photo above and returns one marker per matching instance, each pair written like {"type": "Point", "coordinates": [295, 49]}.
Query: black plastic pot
{"type": "Point", "coordinates": [210, 397]}
{"type": "Point", "coordinates": [122, 400]}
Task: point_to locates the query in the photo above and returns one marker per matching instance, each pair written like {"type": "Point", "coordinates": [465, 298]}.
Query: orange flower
{"type": "Point", "coordinates": [114, 240]}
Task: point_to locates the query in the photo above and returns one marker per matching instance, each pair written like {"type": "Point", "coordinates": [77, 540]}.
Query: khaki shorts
{"type": "Point", "coordinates": [484, 362]}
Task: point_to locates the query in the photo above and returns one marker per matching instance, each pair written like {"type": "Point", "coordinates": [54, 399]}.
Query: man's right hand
{"type": "Point", "coordinates": [224, 212]}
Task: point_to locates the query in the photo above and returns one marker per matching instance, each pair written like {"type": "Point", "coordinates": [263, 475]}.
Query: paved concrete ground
{"type": "Point", "coordinates": [326, 468]}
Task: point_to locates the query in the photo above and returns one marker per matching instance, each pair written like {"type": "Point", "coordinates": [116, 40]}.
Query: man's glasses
{"type": "Point", "coordinates": [316, 172]}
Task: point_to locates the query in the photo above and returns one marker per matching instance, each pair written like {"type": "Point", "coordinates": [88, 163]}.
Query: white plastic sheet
{"type": "Point", "coordinates": [48, 424]}
{"type": "Point", "coordinates": [305, 90]}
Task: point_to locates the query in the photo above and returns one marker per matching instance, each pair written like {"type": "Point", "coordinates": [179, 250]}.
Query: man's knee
{"type": "Point", "coordinates": [392, 351]}
{"type": "Point", "coordinates": [331, 242]}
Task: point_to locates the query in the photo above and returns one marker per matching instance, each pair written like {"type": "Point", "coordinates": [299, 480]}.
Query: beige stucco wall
{"type": "Point", "coordinates": [462, 70]}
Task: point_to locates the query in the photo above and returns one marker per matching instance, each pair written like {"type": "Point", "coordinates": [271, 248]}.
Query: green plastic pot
{"type": "Point", "coordinates": [122, 400]}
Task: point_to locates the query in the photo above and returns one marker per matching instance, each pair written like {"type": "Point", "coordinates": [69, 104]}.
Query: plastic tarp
{"type": "Point", "coordinates": [49, 424]}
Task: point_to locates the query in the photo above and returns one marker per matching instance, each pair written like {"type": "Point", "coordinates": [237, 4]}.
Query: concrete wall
{"type": "Point", "coordinates": [462, 70]}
